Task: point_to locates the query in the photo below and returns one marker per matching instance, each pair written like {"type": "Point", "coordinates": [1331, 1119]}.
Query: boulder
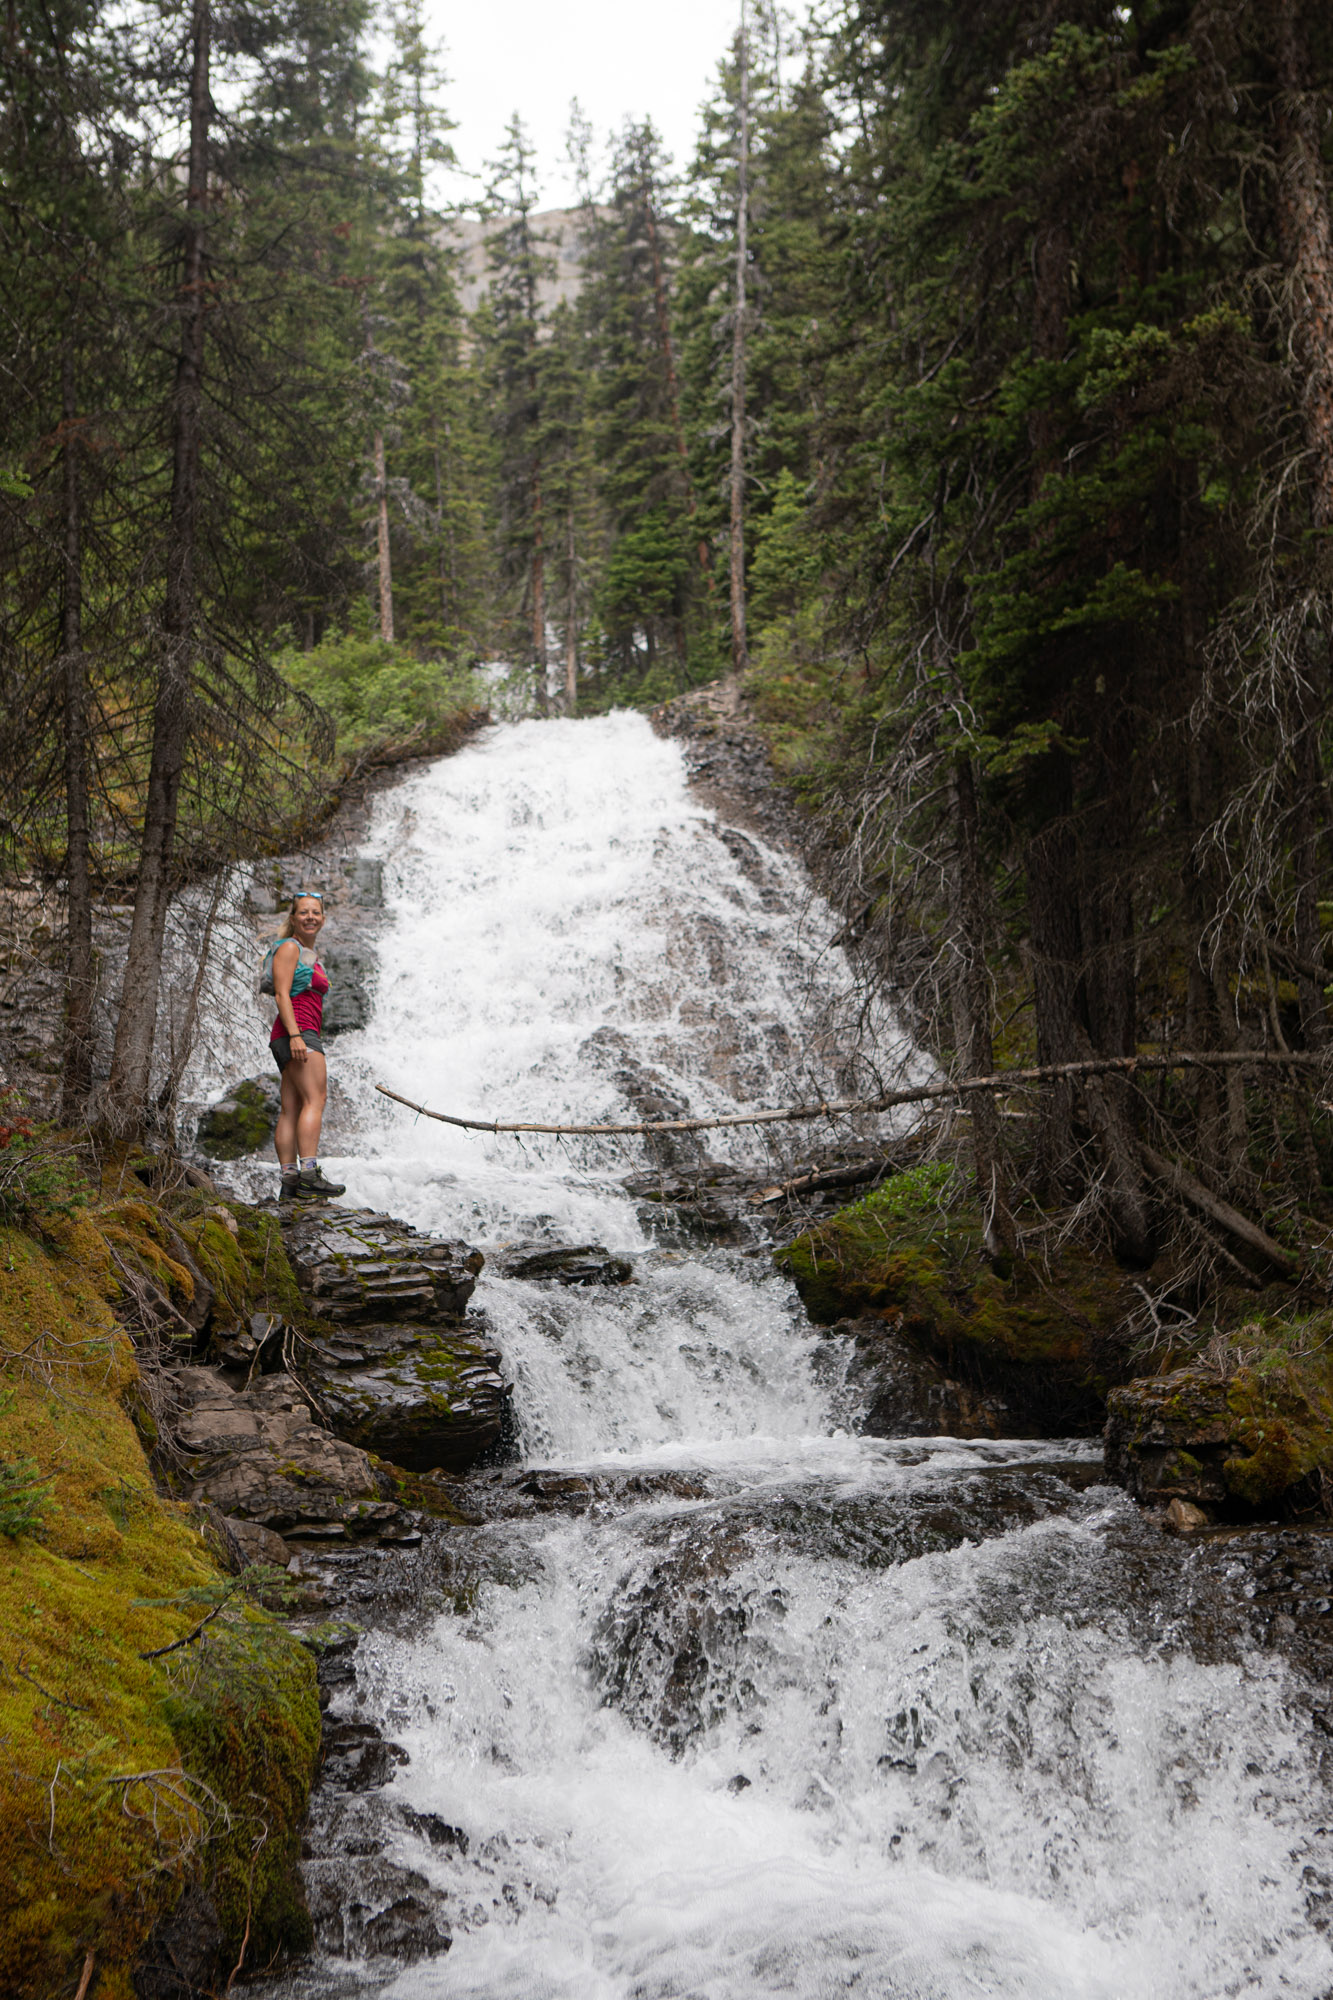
{"type": "Point", "coordinates": [365, 879]}
{"type": "Point", "coordinates": [1236, 1441]}
{"type": "Point", "coordinates": [351, 969]}
{"type": "Point", "coordinates": [567, 1264]}
{"type": "Point", "coordinates": [892, 1389]}
{"type": "Point", "coordinates": [356, 1267]}
{"type": "Point", "coordinates": [375, 1908]}
{"type": "Point", "coordinates": [1168, 1437]}
{"type": "Point", "coordinates": [243, 1121]}
{"type": "Point", "coordinates": [258, 1455]}
{"type": "Point", "coordinates": [427, 1398]}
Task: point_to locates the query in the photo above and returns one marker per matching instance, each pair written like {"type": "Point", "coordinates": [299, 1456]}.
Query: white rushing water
{"type": "Point", "coordinates": [815, 1715]}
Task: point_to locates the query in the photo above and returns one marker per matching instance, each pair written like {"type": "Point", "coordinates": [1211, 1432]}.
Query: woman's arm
{"type": "Point", "coordinates": [284, 971]}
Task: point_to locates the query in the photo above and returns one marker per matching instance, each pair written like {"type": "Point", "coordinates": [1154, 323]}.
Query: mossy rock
{"type": "Point", "coordinates": [104, 1819]}
{"type": "Point", "coordinates": [243, 1121]}
{"type": "Point", "coordinates": [1045, 1337]}
{"type": "Point", "coordinates": [1252, 1440]}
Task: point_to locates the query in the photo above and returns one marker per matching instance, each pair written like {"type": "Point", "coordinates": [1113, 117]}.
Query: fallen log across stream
{"type": "Point", "coordinates": [926, 1093]}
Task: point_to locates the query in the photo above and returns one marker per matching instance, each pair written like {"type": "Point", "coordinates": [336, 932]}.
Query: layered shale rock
{"type": "Point", "coordinates": [430, 1399]}
{"type": "Point", "coordinates": [355, 1267]}
{"type": "Point", "coordinates": [388, 1360]}
{"type": "Point", "coordinates": [260, 1457]}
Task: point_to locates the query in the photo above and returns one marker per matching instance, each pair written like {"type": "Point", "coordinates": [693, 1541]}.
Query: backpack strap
{"type": "Point", "coordinates": [302, 975]}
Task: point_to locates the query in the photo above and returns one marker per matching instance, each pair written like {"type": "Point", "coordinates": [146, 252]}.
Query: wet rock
{"type": "Point", "coordinates": [1238, 1442]}
{"type": "Point", "coordinates": [259, 1455]}
{"type": "Point", "coordinates": [1185, 1518]}
{"type": "Point", "coordinates": [351, 969]}
{"type": "Point", "coordinates": [889, 1388]}
{"type": "Point", "coordinates": [711, 1199]}
{"type": "Point", "coordinates": [1168, 1437]}
{"type": "Point", "coordinates": [567, 1264]}
{"type": "Point", "coordinates": [376, 1909]}
{"type": "Point", "coordinates": [365, 879]}
{"type": "Point", "coordinates": [354, 1266]}
{"type": "Point", "coordinates": [357, 1757]}
{"type": "Point", "coordinates": [438, 1831]}
{"type": "Point", "coordinates": [427, 1399]}
{"type": "Point", "coordinates": [243, 1121]}
{"type": "Point", "coordinates": [505, 1494]}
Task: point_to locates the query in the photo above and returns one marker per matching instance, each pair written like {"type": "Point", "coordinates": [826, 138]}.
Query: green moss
{"type": "Point", "coordinates": [242, 1123]}
{"type": "Point", "coordinates": [246, 1718]}
{"type": "Point", "coordinates": [249, 1271]}
{"type": "Point", "coordinates": [1283, 1414]}
{"type": "Point", "coordinates": [102, 1819]}
{"type": "Point", "coordinates": [914, 1253]}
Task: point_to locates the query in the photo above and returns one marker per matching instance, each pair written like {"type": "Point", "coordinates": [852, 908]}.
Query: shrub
{"type": "Point", "coordinates": [382, 698]}
{"type": "Point", "coordinates": [39, 1177]}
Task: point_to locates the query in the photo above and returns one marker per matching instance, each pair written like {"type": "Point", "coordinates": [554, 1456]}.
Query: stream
{"type": "Point", "coordinates": [719, 1700]}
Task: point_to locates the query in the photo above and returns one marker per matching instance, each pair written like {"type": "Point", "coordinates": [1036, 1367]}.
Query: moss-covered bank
{"type": "Point", "coordinates": [1046, 1334]}
{"type": "Point", "coordinates": [129, 1772]}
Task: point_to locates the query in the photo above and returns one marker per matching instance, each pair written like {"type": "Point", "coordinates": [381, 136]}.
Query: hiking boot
{"type": "Point", "coordinates": [312, 1186]}
{"type": "Point", "coordinates": [289, 1185]}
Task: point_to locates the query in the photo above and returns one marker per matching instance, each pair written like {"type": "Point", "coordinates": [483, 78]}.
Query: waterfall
{"type": "Point", "coordinates": [782, 1711]}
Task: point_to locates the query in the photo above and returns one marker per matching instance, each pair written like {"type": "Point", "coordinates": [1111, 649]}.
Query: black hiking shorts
{"type": "Point", "coordinates": [282, 1047]}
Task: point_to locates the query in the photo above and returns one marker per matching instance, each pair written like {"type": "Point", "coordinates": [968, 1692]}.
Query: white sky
{"type": "Point", "coordinates": [653, 58]}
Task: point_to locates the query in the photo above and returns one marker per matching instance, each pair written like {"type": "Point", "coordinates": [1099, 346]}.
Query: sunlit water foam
{"type": "Point", "coordinates": [967, 1771]}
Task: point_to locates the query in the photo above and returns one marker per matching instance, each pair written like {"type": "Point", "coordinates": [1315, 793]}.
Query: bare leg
{"type": "Point", "coordinates": [312, 1088]}
{"type": "Point", "coordinates": [284, 1137]}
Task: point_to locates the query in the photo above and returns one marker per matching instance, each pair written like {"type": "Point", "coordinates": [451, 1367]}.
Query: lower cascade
{"type": "Point", "coordinates": [707, 1697]}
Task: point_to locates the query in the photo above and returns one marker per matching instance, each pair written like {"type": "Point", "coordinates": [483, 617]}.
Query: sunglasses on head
{"type": "Point", "coordinates": [308, 896]}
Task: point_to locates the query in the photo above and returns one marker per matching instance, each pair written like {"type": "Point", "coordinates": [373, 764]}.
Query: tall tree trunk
{"type": "Point", "coordinates": [1305, 233]}
{"type": "Point", "coordinates": [131, 1061]}
{"type": "Point", "coordinates": [571, 617]}
{"type": "Point", "coordinates": [1056, 953]}
{"type": "Point", "coordinates": [972, 1009]}
{"type": "Point", "coordinates": [538, 580]}
{"type": "Point", "coordinates": [673, 388]}
{"type": "Point", "coordinates": [382, 536]}
{"type": "Point", "coordinates": [738, 648]}
{"type": "Point", "coordinates": [80, 978]}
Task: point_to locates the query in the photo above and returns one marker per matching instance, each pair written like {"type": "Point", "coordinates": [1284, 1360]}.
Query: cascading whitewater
{"type": "Point", "coordinates": [815, 1714]}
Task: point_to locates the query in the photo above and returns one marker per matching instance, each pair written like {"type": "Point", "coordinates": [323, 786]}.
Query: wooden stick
{"type": "Point", "coordinates": [1221, 1212]}
{"type": "Point", "coordinates": [86, 1978]}
{"type": "Point", "coordinates": [928, 1093]}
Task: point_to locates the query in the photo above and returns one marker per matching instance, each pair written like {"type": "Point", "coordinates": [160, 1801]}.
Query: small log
{"type": "Point", "coordinates": [1221, 1212]}
{"type": "Point", "coordinates": [829, 1177]}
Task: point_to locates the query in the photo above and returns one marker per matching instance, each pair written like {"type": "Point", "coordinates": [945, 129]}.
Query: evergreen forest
{"type": "Point", "coordinates": [967, 395]}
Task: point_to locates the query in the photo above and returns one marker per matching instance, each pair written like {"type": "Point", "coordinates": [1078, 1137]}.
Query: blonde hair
{"type": "Point", "coordinates": [301, 896]}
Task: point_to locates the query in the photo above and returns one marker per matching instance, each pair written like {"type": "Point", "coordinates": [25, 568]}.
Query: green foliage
{"type": "Point", "coordinates": [383, 699]}
{"type": "Point", "coordinates": [40, 1178]}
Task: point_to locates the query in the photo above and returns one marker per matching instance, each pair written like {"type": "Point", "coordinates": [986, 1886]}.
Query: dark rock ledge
{"type": "Point", "coordinates": [319, 1424]}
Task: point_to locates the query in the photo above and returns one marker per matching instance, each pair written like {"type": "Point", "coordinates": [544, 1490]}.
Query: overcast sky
{"type": "Point", "coordinates": [640, 58]}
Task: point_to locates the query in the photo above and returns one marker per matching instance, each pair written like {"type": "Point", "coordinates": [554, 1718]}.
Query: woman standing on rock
{"type": "Point", "coordinates": [298, 982]}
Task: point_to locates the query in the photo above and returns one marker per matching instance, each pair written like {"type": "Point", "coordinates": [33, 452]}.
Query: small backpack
{"type": "Point", "coordinates": [305, 967]}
